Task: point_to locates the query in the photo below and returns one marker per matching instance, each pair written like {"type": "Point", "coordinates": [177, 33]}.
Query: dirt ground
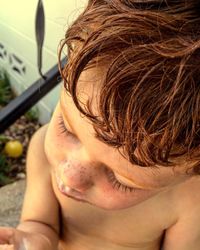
{"type": "Point", "coordinates": [22, 130]}
{"type": "Point", "coordinates": [11, 198]}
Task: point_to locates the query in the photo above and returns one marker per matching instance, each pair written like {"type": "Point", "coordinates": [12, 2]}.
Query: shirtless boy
{"type": "Point", "coordinates": [117, 167]}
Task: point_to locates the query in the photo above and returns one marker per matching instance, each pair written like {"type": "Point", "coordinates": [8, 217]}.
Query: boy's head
{"type": "Point", "coordinates": [127, 127]}
{"type": "Point", "coordinates": [148, 103]}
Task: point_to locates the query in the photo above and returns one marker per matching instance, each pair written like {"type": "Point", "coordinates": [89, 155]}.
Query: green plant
{"type": "Point", "coordinates": [4, 165]}
{"type": "Point", "coordinates": [32, 114]}
{"type": "Point", "coordinates": [4, 171]}
{"type": "Point", "coordinates": [3, 139]}
{"type": "Point", "coordinates": [5, 89]}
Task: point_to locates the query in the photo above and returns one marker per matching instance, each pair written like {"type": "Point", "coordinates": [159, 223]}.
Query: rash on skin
{"type": "Point", "coordinates": [74, 172]}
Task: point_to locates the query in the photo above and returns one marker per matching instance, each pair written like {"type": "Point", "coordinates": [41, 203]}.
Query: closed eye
{"type": "Point", "coordinates": [63, 130]}
{"type": "Point", "coordinates": [62, 127]}
{"type": "Point", "coordinates": [116, 184]}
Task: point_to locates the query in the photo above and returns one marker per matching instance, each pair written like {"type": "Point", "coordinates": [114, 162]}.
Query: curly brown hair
{"type": "Point", "coordinates": [150, 93]}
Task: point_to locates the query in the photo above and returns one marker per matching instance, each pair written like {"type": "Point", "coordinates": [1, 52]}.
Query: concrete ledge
{"type": "Point", "coordinates": [11, 198]}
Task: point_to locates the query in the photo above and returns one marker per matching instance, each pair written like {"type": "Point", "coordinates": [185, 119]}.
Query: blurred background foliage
{"type": "Point", "coordinates": [13, 168]}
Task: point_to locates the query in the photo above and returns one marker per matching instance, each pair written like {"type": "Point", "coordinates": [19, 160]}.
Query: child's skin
{"type": "Point", "coordinates": [162, 212]}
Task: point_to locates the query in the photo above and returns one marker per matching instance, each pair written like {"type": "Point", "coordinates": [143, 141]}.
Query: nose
{"type": "Point", "coordinates": [76, 175]}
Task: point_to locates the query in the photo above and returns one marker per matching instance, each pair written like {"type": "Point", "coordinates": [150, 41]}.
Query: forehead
{"type": "Point", "coordinates": [89, 86]}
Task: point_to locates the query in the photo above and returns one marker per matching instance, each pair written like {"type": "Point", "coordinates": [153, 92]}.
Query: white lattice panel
{"type": "Point", "coordinates": [18, 50]}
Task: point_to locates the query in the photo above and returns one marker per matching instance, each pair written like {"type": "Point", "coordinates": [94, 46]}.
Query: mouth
{"type": "Point", "coordinates": [72, 195]}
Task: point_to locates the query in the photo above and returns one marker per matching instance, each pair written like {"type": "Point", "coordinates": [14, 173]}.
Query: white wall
{"type": "Point", "coordinates": [18, 50]}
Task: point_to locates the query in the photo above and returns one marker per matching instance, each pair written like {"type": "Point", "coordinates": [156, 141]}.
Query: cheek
{"type": "Point", "coordinates": [105, 196]}
{"type": "Point", "coordinates": [112, 199]}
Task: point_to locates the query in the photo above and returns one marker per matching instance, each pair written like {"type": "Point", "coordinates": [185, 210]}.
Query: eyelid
{"type": "Point", "coordinates": [125, 181]}
{"type": "Point", "coordinates": [62, 125]}
{"type": "Point", "coordinates": [132, 183]}
{"type": "Point", "coordinates": [71, 134]}
{"type": "Point", "coordinates": [128, 182]}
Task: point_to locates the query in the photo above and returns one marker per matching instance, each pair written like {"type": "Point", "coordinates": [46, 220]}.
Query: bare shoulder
{"type": "Point", "coordinates": [188, 200]}
{"type": "Point", "coordinates": [37, 164]}
{"type": "Point", "coordinates": [39, 190]}
{"type": "Point", "coordinates": [40, 133]}
{"type": "Point", "coordinates": [185, 233]}
{"type": "Point", "coordinates": [36, 146]}
{"type": "Point", "coordinates": [188, 195]}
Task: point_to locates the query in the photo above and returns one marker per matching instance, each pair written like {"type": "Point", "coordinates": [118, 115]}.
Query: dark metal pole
{"type": "Point", "coordinates": [22, 103]}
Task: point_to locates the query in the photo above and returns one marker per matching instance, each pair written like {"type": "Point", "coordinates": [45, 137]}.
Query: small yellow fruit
{"type": "Point", "coordinates": [14, 149]}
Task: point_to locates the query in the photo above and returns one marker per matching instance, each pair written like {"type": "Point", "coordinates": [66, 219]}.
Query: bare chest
{"type": "Point", "coordinates": [85, 226]}
{"type": "Point", "coordinates": [88, 227]}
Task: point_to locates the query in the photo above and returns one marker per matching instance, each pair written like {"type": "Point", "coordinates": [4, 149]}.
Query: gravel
{"type": "Point", "coordinates": [21, 130]}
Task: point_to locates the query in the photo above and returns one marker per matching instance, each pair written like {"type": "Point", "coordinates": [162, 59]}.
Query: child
{"type": "Point", "coordinates": [117, 167]}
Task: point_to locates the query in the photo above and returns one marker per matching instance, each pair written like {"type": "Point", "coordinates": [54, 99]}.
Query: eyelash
{"type": "Point", "coordinates": [109, 173]}
{"type": "Point", "coordinates": [116, 184]}
{"type": "Point", "coordinates": [62, 128]}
